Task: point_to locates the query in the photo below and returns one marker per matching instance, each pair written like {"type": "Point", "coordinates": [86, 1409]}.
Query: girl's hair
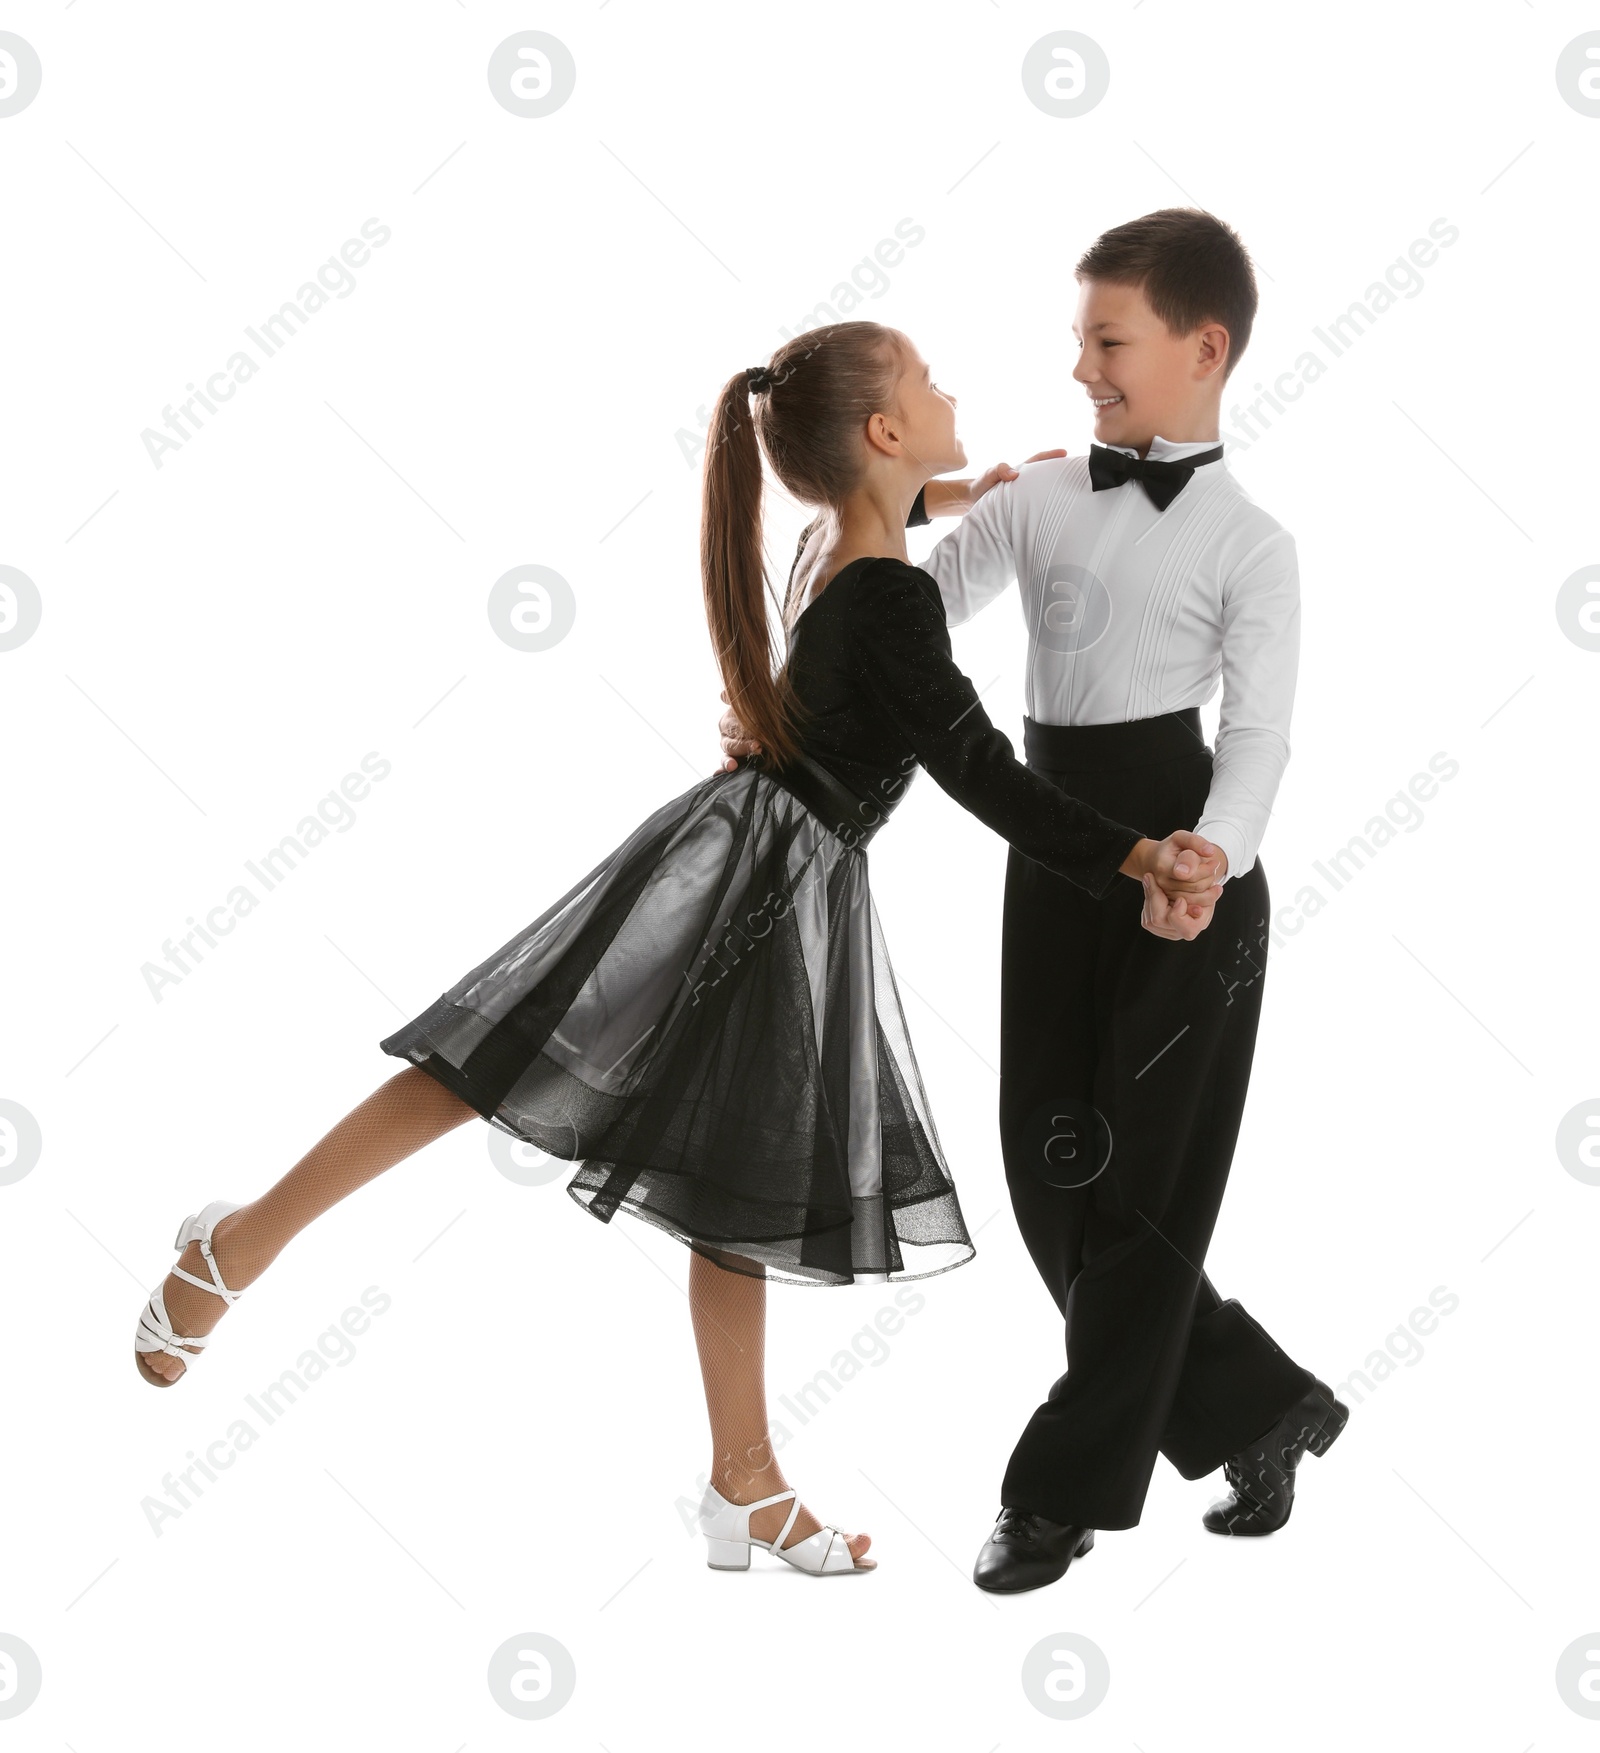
{"type": "Point", "coordinates": [824, 384]}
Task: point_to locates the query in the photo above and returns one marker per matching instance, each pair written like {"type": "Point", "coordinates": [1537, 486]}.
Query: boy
{"type": "Point", "coordinates": [1146, 575]}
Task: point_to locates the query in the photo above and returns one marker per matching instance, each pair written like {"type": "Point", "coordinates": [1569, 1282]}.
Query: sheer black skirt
{"type": "Point", "coordinates": [708, 1024]}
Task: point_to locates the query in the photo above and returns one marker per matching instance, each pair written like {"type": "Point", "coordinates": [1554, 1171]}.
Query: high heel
{"type": "Point", "coordinates": [154, 1332]}
{"type": "Point", "coordinates": [726, 1527]}
{"type": "Point", "coordinates": [1322, 1432]}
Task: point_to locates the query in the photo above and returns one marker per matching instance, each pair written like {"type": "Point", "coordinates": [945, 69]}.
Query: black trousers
{"type": "Point", "coordinates": [1124, 1061]}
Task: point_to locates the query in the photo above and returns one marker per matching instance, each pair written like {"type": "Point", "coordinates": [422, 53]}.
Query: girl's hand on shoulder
{"type": "Point", "coordinates": [1003, 472]}
{"type": "Point", "coordinates": [956, 498]}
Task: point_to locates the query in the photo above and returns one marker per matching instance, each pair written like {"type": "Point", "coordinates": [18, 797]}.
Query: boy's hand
{"type": "Point", "coordinates": [1183, 918]}
{"type": "Point", "coordinates": [734, 743]}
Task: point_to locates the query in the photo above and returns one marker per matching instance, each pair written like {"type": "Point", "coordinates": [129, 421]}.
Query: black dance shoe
{"type": "Point", "coordinates": [1026, 1551]}
{"type": "Point", "coordinates": [1262, 1475]}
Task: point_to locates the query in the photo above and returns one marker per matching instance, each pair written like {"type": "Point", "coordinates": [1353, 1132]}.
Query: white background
{"type": "Point", "coordinates": [224, 637]}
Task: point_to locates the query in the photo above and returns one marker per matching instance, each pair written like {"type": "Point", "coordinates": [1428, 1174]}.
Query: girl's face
{"type": "Point", "coordinates": [926, 425]}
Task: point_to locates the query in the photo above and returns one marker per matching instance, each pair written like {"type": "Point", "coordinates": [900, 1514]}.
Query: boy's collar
{"type": "Point", "coordinates": [1167, 450]}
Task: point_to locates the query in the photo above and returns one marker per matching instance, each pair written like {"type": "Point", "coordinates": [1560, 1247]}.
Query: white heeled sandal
{"type": "Point", "coordinates": [726, 1527]}
{"type": "Point", "coordinates": [154, 1332]}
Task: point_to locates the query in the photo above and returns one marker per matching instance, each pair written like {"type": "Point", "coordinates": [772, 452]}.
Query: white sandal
{"type": "Point", "coordinates": [726, 1527]}
{"type": "Point", "coordinates": [154, 1332]}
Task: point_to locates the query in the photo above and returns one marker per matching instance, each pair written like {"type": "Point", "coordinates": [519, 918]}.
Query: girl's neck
{"type": "Point", "coordinates": [871, 522]}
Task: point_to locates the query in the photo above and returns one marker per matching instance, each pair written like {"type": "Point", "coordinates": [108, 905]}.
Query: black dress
{"type": "Point", "coordinates": [708, 1023]}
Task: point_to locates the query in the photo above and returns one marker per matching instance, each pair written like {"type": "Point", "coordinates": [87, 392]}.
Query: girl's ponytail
{"type": "Point", "coordinates": [810, 409]}
{"type": "Point", "coordinates": [734, 573]}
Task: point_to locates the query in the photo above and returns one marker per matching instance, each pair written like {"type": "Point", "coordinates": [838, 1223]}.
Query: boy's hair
{"type": "Point", "coordinates": [1193, 268]}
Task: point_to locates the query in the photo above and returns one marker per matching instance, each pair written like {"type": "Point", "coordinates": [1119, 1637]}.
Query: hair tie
{"type": "Point", "coordinates": [757, 379]}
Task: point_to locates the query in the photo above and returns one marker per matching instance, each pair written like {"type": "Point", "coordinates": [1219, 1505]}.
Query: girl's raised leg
{"type": "Point", "coordinates": [729, 1310]}
{"type": "Point", "coordinates": [408, 1111]}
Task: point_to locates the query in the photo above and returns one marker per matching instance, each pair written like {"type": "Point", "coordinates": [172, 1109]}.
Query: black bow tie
{"type": "Point", "coordinates": [1163, 480]}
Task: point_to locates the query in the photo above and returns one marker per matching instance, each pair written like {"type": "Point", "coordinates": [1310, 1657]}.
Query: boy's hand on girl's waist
{"type": "Point", "coordinates": [735, 744]}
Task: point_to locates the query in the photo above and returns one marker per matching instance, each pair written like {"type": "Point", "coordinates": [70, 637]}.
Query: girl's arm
{"type": "Point", "coordinates": [901, 645]}
{"type": "Point", "coordinates": [957, 498]}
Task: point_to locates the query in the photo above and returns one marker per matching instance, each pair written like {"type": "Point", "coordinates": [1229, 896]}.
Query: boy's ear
{"type": "Point", "coordinates": [1215, 340]}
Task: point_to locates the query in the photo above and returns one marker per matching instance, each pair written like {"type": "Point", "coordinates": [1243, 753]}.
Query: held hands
{"type": "Point", "coordinates": [1182, 864]}
{"type": "Point", "coordinates": [1182, 917]}
{"type": "Point", "coordinates": [1181, 877]}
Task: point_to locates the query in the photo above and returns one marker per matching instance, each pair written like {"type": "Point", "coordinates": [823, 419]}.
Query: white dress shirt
{"type": "Point", "coordinates": [1132, 612]}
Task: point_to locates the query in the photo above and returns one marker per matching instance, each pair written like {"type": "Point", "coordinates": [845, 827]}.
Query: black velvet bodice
{"type": "Point", "coordinates": [870, 661]}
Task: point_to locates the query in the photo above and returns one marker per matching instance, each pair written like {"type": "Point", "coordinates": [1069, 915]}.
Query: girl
{"type": "Point", "coordinates": [707, 1023]}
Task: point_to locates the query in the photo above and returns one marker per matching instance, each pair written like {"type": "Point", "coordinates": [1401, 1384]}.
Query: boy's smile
{"type": "Point", "coordinates": [1140, 378]}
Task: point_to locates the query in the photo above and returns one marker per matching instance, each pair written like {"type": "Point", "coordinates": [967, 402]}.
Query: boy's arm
{"type": "Point", "coordinates": [1260, 660]}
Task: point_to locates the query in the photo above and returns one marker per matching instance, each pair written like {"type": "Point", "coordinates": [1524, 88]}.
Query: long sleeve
{"type": "Point", "coordinates": [976, 561]}
{"type": "Point", "coordinates": [1260, 661]}
{"type": "Point", "coordinates": [902, 646]}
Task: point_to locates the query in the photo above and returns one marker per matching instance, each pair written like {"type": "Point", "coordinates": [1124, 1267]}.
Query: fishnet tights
{"type": "Point", "coordinates": [397, 1119]}
{"type": "Point", "coordinates": [729, 1310]}
{"type": "Point", "coordinates": [412, 1109]}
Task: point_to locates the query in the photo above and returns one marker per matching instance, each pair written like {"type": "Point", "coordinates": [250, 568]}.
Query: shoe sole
{"type": "Point", "coordinates": [737, 1552]}
{"type": "Point", "coordinates": [156, 1381]}
{"type": "Point", "coordinates": [854, 1570]}
{"type": "Point", "coordinates": [1252, 1533]}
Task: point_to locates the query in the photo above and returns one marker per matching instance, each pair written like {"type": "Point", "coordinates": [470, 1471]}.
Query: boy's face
{"type": "Point", "coordinates": [1147, 379]}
